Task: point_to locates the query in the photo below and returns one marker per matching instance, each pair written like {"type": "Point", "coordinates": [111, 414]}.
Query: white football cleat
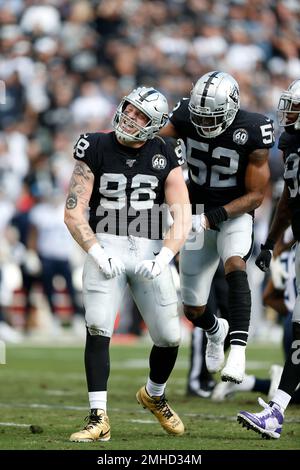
{"type": "Point", "coordinates": [214, 355]}
{"type": "Point", "coordinates": [268, 422]}
{"type": "Point", "coordinates": [234, 370]}
{"type": "Point", "coordinates": [223, 390]}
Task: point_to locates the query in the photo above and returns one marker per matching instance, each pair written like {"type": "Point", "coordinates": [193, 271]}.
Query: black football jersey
{"type": "Point", "coordinates": [290, 146]}
{"type": "Point", "coordinates": [217, 166]}
{"type": "Point", "coordinates": [128, 194]}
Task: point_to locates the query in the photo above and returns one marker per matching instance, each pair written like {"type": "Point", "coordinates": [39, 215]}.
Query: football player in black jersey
{"type": "Point", "coordinates": [227, 157]}
{"type": "Point", "coordinates": [123, 177]}
{"type": "Point", "coordinates": [269, 421]}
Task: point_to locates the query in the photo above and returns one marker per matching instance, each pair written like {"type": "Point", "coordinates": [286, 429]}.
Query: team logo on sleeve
{"type": "Point", "coordinates": [159, 162]}
{"type": "Point", "coordinates": [240, 136]}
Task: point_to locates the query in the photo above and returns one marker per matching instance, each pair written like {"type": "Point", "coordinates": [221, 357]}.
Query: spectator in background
{"type": "Point", "coordinates": [49, 238]}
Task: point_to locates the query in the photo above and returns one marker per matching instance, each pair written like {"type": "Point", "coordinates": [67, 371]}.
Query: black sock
{"type": "Point", "coordinates": [291, 371]}
{"type": "Point", "coordinates": [162, 361]}
{"type": "Point", "coordinates": [239, 303]}
{"type": "Point", "coordinates": [261, 385]}
{"type": "Point", "coordinates": [207, 321]}
{"type": "Point", "coordinates": [97, 364]}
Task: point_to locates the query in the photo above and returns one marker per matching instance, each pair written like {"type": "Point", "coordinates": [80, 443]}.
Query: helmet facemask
{"type": "Point", "coordinates": [211, 124]}
{"type": "Point", "coordinates": [288, 112]}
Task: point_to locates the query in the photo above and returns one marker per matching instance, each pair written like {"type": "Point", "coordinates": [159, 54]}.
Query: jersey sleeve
{"type": "Point", "coordinates": [261, 132]}
{"type": "Point", "coordinates": [283, 141]}
{"type": "Point", "coordinates": [176, 153]}
{"type": "Point", "coordinates": [180, 114]}
{"type": "Point", "coordinates": [86, 150]}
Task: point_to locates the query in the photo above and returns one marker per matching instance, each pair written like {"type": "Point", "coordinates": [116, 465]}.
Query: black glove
{"type": "Point", "coordinates": [216, 216]}
{"type": "Point", "coordinates": [264, 258]}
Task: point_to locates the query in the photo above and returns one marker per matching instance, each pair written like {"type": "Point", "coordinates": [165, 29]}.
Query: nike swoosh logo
{"type": "Point", "coordinates": [155, 254]}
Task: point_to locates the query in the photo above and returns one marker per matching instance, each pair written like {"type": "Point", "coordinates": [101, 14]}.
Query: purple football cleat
{"type": "Point", "coordinates": [268, 422]}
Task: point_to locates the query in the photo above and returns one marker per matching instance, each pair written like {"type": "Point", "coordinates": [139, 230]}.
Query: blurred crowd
{"type": "Point", "coordinates": [66, 65]}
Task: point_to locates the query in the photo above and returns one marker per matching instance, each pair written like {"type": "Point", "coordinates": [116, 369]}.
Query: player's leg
{"type": "Point", "coordinates": [200, 382]}
{"type": "Point", "coordinates": [269, 421]}
{"type": "Point", "coordinates": [291, 372]}
{"type": "Point", "coordinates": [197, 269]}
{"type": "Point", "coordinates": [157, 303]}
{"type": "Point", "coordinates": [101, 298]}
{"type": "Point", "coordinates": [234, 246]}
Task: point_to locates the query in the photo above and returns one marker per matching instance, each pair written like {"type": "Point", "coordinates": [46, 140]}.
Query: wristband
{"type": "Point", "coordinates": [216, 216]}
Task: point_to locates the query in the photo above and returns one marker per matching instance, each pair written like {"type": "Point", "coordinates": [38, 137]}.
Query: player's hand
{"type": "Point", "coordinates": [111, 266]}
{"type": "Point", "coordinates": [150, 269]}
{"type": "Point", "coordinates": [199, 223]}
{"type": "Point", "coordinates": [278, 273]}
{"type": "Point", "coordinates": [264, 259]}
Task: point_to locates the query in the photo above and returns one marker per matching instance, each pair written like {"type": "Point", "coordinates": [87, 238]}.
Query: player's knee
{"type": "Point", "coordinates": [168, 339]}
{"type": "Point", "coordinates": [98, 330]}
{"type": "Point", "coordinates": [168, 342]}
{"type": "Point", "coordinates": [235, 263]}
{"type": "Point", "coordinates": [172, 343]}
{"type": "Point", "coordinates": [192, 313]}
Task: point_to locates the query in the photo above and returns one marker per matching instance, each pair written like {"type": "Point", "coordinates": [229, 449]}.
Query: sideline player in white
{"type": "Point", "coordinates": [227, 157]}
{"type": "Point", "coordinates": [124, 177]}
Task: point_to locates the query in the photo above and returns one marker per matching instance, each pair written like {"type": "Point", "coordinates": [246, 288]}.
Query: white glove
{"type": "Point", "coordinates": [150, 269]}
{"type": "Point", "coordinates": [110, 266]}
{"type": "Point", "coordinates": [278, 274]}
{"type": "Point", "coordinates": [199, 223]}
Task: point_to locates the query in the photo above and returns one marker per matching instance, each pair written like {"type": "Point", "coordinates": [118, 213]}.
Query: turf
{"type": "Point", "coordinates": [43, 400]}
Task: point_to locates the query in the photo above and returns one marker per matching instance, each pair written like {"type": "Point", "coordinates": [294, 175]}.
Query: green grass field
{"type": "Point", "coordinates": [45, 387]}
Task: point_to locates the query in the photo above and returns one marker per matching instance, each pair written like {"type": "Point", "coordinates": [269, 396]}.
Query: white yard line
{"type": "Point", "coordinates": [180, 365]}
{"type": "Point", "coordinates": [59, 393]}
{"type": "Point", "coordinates": [204, 416]}
{"type": "Point", "coordinates": [19, 425]}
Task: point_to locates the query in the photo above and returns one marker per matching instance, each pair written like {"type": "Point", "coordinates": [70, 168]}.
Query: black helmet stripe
{"type": "Point", "coordinates": [145, 95]}
{"type": "Point", "coordinates": [207, 85]}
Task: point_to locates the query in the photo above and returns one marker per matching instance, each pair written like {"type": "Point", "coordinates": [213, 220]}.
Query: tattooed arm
{"type": "Point", "coordinates": [77, 203]}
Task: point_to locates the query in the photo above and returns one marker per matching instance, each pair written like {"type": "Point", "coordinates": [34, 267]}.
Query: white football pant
{"type": "Point", "coordinates": [197, 267]}
{"type": "Point", "coordinates": [156, 299]}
